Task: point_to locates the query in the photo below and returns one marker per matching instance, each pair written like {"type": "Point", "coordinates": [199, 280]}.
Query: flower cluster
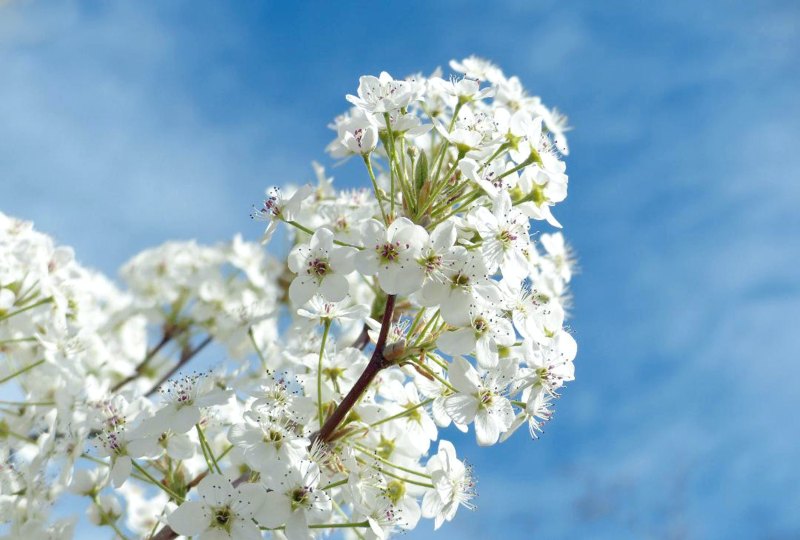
{"type": "Point", "coordinates": [420, 302]}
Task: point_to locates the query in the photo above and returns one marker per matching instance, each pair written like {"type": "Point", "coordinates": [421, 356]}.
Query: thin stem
{"type": "Point", "coordinates": [324, 526]}
{"type": "Point", "coordinates": [257, 349]}
{"type": "Point", "coordinates": [310, 232]}
{"type": "Point", "coordinates": [21, 371]}
{"type": "Point", "coordinates": [392, 167]}
{"type": "Point", "coordinates": [207, 448]}
{"type": "Point", "coordinates": [26, 308]}
{"type": "Point", "coordinates": [423, 484]}
{"type": "Point", "coordinates": [156, 483]}
{"type": "Point", "coordinates": [402, 414]}
{"type": "Point", "coordinates": [533, 158]}
{"type": "Point", "coordinates": [430, 372]}
{"type": "Point", "coordinates": [113, 525]}
{"type": "Point", "coordinates": [143, 364]}
{"type": "Point", "coordinates": [17, 340]}
{"type": "Point", "coordinates": [336, 484]}
{"type": "Point", "coordinates": [26, 403]}
{"type": "Point", "coordinates": [372, 454]}
{"type": "Point", "coordinates": [319, 369]}
{"type": "Point", "coordinates": [456, 210]}
{"type": "Point", "coordinates": [425, 328]}
{"type": "Point", "coordinates": [186, 355]}
{"type": "Point", "coordinates": [368, 163]}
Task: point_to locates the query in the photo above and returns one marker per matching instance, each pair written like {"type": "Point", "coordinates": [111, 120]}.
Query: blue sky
{"type": "Point", "coordinates": [124, 125]}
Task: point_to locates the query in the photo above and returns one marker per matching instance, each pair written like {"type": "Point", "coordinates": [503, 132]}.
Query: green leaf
{"type": "Point", "coordinates": [421, 172]}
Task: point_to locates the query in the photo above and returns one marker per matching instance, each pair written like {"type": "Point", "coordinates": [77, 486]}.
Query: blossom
{"type": "Point", "coordinates": [269, 445]}
{"type": "Point", "coordinates": [295, 501]}
{"type": "Point", "coordinates": [123, 446]}
{"type": "Point", "coordinates": [446, 313]}
{"type": "Point", "coordinates": [391, 254]}
{"type": "Point", "coordinates": [183, 399]}
{"type": "Point", "coordinates": [466, 282]}
{"type": "Point", "coordinates": [222, 511]}
{"type": "Point", "coordinates": [278, 208]}
{"type": "Point", "coordinates": [543, 189]}
{"type": "Point", "coordinates": [381, 94]}
{"type": "Point", "coordinates": [453, 485]}
{"type": "Point", "coordinates": [321, 268]}
{"type": "Point", "coordinates": [480, 399]}
{"type": "Point", "coordinates": [320, 310]}
{"type": "Point", "coordinates": [357, 133]}
{"type": "Point", "coordinates": [493, 178]}
{"type": "Point", "coordinates": [504, 231]}
{"type": "Point", "coordinates": [487, 332]}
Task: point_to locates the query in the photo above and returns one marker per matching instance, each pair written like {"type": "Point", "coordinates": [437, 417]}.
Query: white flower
{"type": "Point", "coordinates": [466, 283]}
{"type": "Point", "coordinates": [478, 68]}
{"type": "Point", "coordinates": [471, 130]}
{"type": "Point", "coordinates": [357, 134]}
{"type": "Point", "coordinates": [417, 424]}
{"type": "Point", "coordinates": [278, 208]}
{"type": "Point", "coordinates": [321, 268]}
{"type": "Point", "coordinates": [556, 123]}
{"type": "Point", "coordinates": [487, 332]}
{"type": "Point", "coordinates": [558, 254]}
{"type": "Point", "coordinates": [505, 237]}
{"type": "Point", "coordinates": [493, 178]}
{"type": "Point", "coordinates": [122, 447]}
{"type": "Point", "coordinates": [440, 253]}
{"type": "Point", "coordinates": [183, 399]}
{"type": "Point", "coordinates": [320, 310]}
{"type": "Point", "coordinates": [461, 90]}
{"type": "Point", "coordinates": [295, 502]}
{"type": "Point", "coordinates": [543, 189]}
{"type": "Point", "coordinates": [88, 481]}
{"type": "Point", "coordinates": [453, 485]}
{"type": "Point", "coordinates": [269, 446]}
{"type": "Point", "coordinates": [381, 94]}
{"type": "Point", "coordinates": [481, 399]}
{"type": "Point", "coordinates": [222, 511]}
{"type": "Point", "coordinates": [392, 254]}
{"type": "Point", "coordinates": [537, 412]}
{"type": "Point", "coordinates": [552, 362]}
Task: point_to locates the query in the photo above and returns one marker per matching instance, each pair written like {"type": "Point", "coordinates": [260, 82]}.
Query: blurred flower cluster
{"type": "Point", "coordinates": [420, 302]}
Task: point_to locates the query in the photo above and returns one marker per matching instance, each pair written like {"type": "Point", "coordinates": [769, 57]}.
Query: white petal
{"type": "Point", "coordinates": [297, 527]}
{"type": "Point", "coordinates": [463, 376]}
{"type": "Point", "coordinates": [185, 419]}
{"type": "Point", "coordinates": [189, 519]}
{"type": "Point", "coordinates": [215, 490]}
{"type": "Point", "coordinates": [121, 470]}
{"type": "Point", "coordinates": [301, 290]}
{"type": "Point", "coordinates": [215, 534]}
{"type": "Point", "coordinates": [275, 510]}
{"type": "Point", "coordinates": [462, 341]}
{"type": "Point", "coordinates": [245, 530]}
{"type": "Point", "coordinates": [486, 429]}
{"type": "Point", "coordinates": [249, 500]}
{"type": "Point", "coordinates": [461, 408]}
{"type": "Point", "coordinates": [334, 288]}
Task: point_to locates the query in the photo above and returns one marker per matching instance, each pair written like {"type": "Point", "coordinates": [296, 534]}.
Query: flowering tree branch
{"type": "Point", "coordinates": [440, 251]}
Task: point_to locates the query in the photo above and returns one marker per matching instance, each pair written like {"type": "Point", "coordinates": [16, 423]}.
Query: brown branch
{"type": "Point", "coordinates": [143, 364]}
{"type": "Point", "coordinates": [376, 363]}
{"type": "Point", "coordinates": [186, 355]}
{"type": "Point", "coordinates": [363, 339]}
